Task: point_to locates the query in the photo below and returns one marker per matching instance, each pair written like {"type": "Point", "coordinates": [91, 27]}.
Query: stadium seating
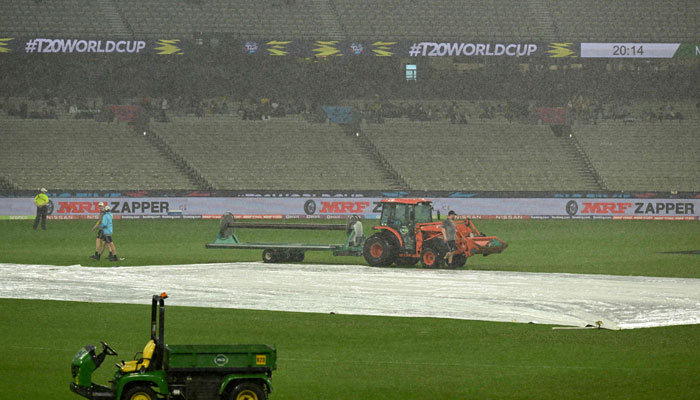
{"type": "Point", "coordinates": [292, 154]}
{"type": "Point", "coordinates": [279, 154]}
{"type": "Point", "coordinates": [625, 21]}
{"type": "Point", "coordinates": [83, 154]}
{"type": "Point", "coordinates": [473, 20]}
{"type": "Point", "coordinates": [644, 156]}
{"type": "Point", "coordinates": [435, 19]}
{"type": "Point", "coordinates": [485, 155]}
{"type": "Point", "coordinates": [66, 18]}
{"type": "Point", "coordinates": [248, 19]}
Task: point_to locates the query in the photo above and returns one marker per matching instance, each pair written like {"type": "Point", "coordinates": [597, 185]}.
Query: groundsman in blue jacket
{"type": "Point", "coordinates": [107, 228]}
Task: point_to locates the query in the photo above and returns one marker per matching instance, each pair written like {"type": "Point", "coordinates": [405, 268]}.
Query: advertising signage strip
{"type": "Point", "coordinates": [368, 207]}
{"type": "Point", "coordinates": [340, 194]}
{"type": "Point", "coordinates": [347, 49]}
{"type": "Point", "coordinates": [72, 45]}
{"type": "Point", "coordinates": [43, 45]}
{"type": "Point", "coordinates": [457, 49]}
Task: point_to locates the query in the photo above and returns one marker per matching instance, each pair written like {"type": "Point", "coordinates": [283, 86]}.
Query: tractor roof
{"type": "Point", "coordinates": [406, 201]}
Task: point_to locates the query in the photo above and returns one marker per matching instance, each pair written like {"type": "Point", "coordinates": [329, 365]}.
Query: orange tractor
{"type": "Point", "coordinates": [407, 234]}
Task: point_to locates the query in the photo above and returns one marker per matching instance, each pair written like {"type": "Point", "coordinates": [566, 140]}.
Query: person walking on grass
{"type": "Point", "coordinates": [449, 234]}
{"type": "Point", "coordinates": [99, 242]}
{"type": "Point", "coordinates": [107, 229]}
{"type": "Point", "coordinates": [41, 201]}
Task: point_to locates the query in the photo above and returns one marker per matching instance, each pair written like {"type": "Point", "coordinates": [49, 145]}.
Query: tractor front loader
{"type": "Point", "coordinates": [407, 234]}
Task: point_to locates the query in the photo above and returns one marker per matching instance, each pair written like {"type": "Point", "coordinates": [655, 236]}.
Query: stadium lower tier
{"type": "Point", "coordinates": [224, 152]}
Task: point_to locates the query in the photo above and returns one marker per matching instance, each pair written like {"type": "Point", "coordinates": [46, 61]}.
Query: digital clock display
{"type": "Point", "coordinates": [628, 50]}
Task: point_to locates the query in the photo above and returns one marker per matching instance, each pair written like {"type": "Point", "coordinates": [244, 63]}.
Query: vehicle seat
{"type": "Point", "coordinates": [141, 363]}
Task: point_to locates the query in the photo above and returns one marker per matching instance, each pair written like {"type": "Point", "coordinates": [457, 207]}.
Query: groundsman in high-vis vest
{"type": "Point", "coordinates": [41, 201]}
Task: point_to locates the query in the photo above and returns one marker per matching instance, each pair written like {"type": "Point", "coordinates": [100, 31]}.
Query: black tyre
{"type": "Point", "coordinates": [310, 207]}
{"type": "Point", "coordinates": [430, 257]}
{"type": "Point", "coordinates": [297, 256]}
{"type": "Point", "coordinates": [270, 256]}
{"type": "Point", "coordinates": [139, 393]}
{"type": "Point", "coordinates": [247, 391]}
{"type": "Point", "coordinates": [378, 251]}
{"type": "Point", "coordinates": [458, 261]}
{"type": "Point", "coordinates": [406, 261]}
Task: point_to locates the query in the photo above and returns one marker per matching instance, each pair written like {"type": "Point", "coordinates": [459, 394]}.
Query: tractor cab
{"type": "Point", "coordinates": [402, 215]}
{"type": "Point", "coordinates": [397, 214]}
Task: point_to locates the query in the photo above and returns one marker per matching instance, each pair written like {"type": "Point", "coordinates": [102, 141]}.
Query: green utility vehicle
{"type": "Point", "coordinates": [186, 372]}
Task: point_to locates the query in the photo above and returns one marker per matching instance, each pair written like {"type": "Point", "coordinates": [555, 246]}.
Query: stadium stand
{"type": "Point", "coordinates": [644, 156]}
{"type": "Point", "coordinates": [232, 154]}
{"type": "Point", "coordinates": [473, 20]}
{"type": "Point", "coordinates": [436, 19]}
{"type": "Point", "coordinates": [283, 154]}
{"type": "Point", "coordinates": [625, 21]}
{"type": "Point", "coordinates": [248, 19]}
{"type": "Point", "coordinates": [489, 156]}
{"type": "Point", "coordinates": [77, 18]}
{"type": "Point", "coordinates": [493, 151]}
{"type": "Point", "coordinates": [72, 154]}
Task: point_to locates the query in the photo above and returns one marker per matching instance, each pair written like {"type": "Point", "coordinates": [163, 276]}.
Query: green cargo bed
{"type": "Point", "coordinates": [226, 357]}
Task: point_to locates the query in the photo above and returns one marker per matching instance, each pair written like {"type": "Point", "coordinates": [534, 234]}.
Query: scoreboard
{"type": "Point", "coordinates": [629, 50]}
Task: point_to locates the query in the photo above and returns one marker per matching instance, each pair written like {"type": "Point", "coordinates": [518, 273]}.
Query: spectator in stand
{"type": "Point", "coordinates": [377, 110]}
{"type": "Point", "coordinates": [452, 113]}
{"type": "Point", "coordinates": [23, 110]}
{"type": "Point", "coordinates": [265, 108]}
{"type": "Point", "coordinates": [199, 110]}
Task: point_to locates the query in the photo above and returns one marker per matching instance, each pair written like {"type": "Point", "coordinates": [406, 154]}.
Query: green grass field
{"type": "Point", "coordinates": [351, 357]}
{"type": "Point", "coordinates": [571, 246]}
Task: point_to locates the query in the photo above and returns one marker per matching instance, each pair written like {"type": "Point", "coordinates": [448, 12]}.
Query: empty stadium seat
{"type": "Point", "coordinates": [76, 154]}
{"type": "Point", "coordinates": [280, 154]}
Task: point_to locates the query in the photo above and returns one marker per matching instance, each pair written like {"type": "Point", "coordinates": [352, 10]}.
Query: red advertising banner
{"type": "Point", "coordinates": [124, 113]}
{"type": "Point", "coordinates": [552, 115]}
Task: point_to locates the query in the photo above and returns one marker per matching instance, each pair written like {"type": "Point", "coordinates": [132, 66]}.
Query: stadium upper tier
{"type": "Point", "coordinates": [482, 20]}
{"type": "Point", "coordinates": [71, 18]}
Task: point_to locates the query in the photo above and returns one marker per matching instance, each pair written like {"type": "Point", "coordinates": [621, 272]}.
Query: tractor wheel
{"type": "Point", "coordinates": [378, 251]}
{"type": "Point", "coordinates": [296, 256]}
{"type": "Point", "coordinates": [270, 256]}
{"type": "Point", "coordinates": [139, 393]}
{"type": "Point", "coordinates": [247, 391]}
{"type": "Point", "coordinates": [458, 261]}
{"type": "Point", "coordinates": [430, 257]}
{"type": "Point", "coordinates": [406, 261]}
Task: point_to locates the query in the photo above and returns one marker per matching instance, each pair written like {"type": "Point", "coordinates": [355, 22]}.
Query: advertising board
{"type": "Point", "coordinates": [367, 207]}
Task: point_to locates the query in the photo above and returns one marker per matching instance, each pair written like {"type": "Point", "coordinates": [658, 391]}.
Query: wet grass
{"type": "Point", "coordinates": [362, 357]}
{"type": "Point", "coordinates": [351, 357]}
{"type": "Point", "coordinates": [647, 248]}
